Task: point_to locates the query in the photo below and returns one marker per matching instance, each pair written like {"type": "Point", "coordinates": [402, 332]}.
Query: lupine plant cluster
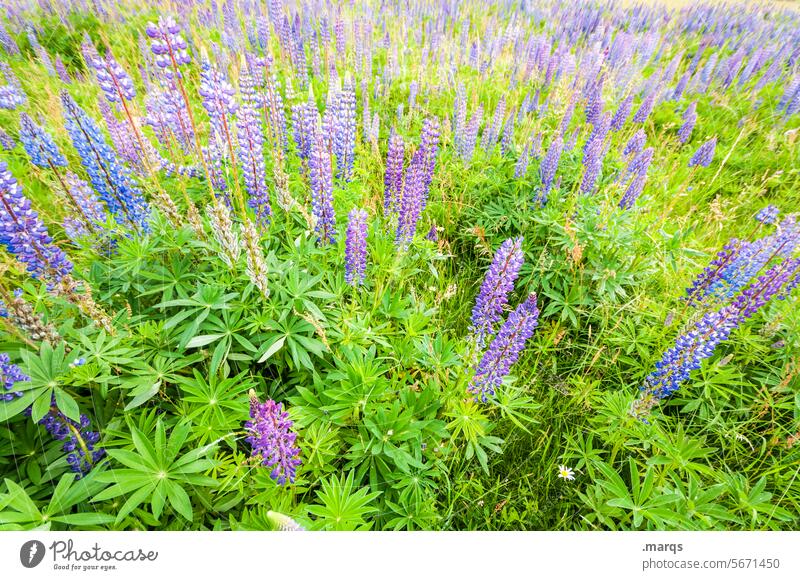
{"type": "Point", "coordinates": [399, 265]}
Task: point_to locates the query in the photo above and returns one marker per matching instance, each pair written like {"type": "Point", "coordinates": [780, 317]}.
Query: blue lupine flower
{"type": "Point", "coordinates": [24, 234]}
{"type": "Point", "coordinates": [356, 247]}
{"type": "Point", "coordinates": [110, 178]}
{"type": "Point", "coordinates": [504, 350]}
{"type": "Point", "coordinates": [497, 285]}
{"type": "Point", "coordinates": [38, 144]}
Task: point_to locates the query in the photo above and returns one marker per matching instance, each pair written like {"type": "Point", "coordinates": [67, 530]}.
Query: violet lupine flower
{"type": "Point", "coordinates": [93, 213]}
{"type": "Point", "coordinates": [24, 234]}
{"type": "Point", "coordinates": [11, 97]}
{"type": "Point", "coordinates": [635, 144]}
{"type": "Point", "coordinates": [715, 327]}
{"type": "Point", "coordinates": [521, 166]}
{"type": "Point", "coordinates": [168, 45]}
{"type": "Point", "coordinates": [504, 350]}
{"type": "Point", "coordinates": [410, 205]}
{"type": "Point", "coordinates": [508, 134]}
{"type": "Point", "coordinates": [356, 248]}
{"type": "Point", "coordinates": [633, 191]}
{"type": "Point", "coordinates": [689, 119]}
{"type": "Point", "coordinates": [251, 157]}
{"type": "Point", "coordinates": [6, 141]}
{"type": "Point", "coordinates": [10, 374]}
{"type": "Point", "coordinates": [112, 78]}
{"type": "Point", "coordinates": [567, 118]}
{"type": "Point", "coordinates": [61, 70]}
{"type": "Point", "coordinates": [768, 214]}
{"type": "Point", "coordinates": [322, 190]}
{"type": "Point", "coordinates": [272, 440]}
{"type": "Point", "coordinates": [497, 284]}
{"type": "Point", "coordinates": [471, 134]}
{"type": "Point", "coordinates": [40, 147]}
{"type": "Point", "coordinates": [646, 107]}
{"type": "Point", "coordinates": [430, 146]}
{"type": "Point", "coordinates": [592, 165]}
{"type": "Point", "coordinates": [344, 135]}
{"type": "Point", "coordinates": [704, 154]}
{"type": "Point", "coordinates": [218, 95]}
{"type": "Point", "coordinates": [393, 178]}
{"type": "Point", "coordinates": [491, 132]}
{"type": "Point", "coordinates": [433, 234]}
{"type": "Point", "coordinates": [549, 167]}
{"type": "Point", "coordinates": [167, 115]}
{"type": "Point", "coordinates": [109, 177]}
{"type": "Point", "coordinates": [79, 441]}
{"type": "Point", "coordinates": [622, 114]}
{"type": "Point", "coordinates": [640, 163]}
{"type": "Point", "coordinates": [594, 102]}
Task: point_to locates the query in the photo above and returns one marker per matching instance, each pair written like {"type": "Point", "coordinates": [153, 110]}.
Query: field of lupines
{"type": "Point", "coordinates": [399, 265]}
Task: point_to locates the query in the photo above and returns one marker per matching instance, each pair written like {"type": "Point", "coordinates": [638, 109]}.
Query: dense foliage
{"type": "Point", "coordinates": [399, 265]}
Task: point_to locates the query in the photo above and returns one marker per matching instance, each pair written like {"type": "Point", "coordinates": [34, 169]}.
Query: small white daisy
{"type": "Point", "coordinates": [565, 472]}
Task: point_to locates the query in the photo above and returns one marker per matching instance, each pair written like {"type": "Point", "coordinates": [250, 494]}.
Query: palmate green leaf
{"type": "Point", "coordinates": [342, 508]}
{"type": "Point", "coordinates": [156, 471]}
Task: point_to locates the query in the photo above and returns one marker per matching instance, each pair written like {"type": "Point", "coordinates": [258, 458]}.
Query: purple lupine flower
{"type": "Point", "coordinates": [508, 134]}
{"type": "Point", "coordinates": [622, 114]}
{"type": "Point", "coordinates": [430, 147]}
{"type": "Point", "coordinates": [768, 214]}
{"type": "Point", "coordinates": [344, 135]}
{"type": "Point", "coordinates": [6, 141]}
{"type": "Point", "coordinates": [61, 70]}
{"type": "Point", "coordinates": [689, 119]}
{"type": "Point", "coordinates": [567, 118]}
{"type": "Point", "coordinates": [521, 166]}
{"type": "Point", "coordinates": [460, 120]}
{"type": "Point", "coordinates": [592, 165]}
{"type": "Point", "coordinates": [491, 132]}
{"type": "Point", "coordinates": [322, 190]}
{"type": "Point", "coordinates": [7, 42]}
{"type": "Point", "coordinates": [594, 102]}
{"type": "Point", "coordinates": [393, 178]}
{"type": "Point", "coordinates": [646, 107]}
{"type": "Point", "coordinates": [410, 205]}
{"type": "Point", "coordinates": [433, 234]}
{"type": "Point", "coordinates": [218, 95]}
{"type": "Point", "coordinates": [79, 441]}
{"type": "Point", "coordinates": [168, 45]}
{"type": "Point", "coordinates": [635, 144]}
{"type": "Point", "coordinates": [10, 374]}
{"type": "Point", "coordinates": [116, 83]}
{"type": "Point", "coordinates": [251, 155]}
{"type": "Point", "coordinates": [109, 177]}
{"type": "Point", "coordinates": [680, 86]}
{"type": "Point", "coordinates": [497, 284]}
{"type": "Point", "coordinates": [471, 134]}
{"type": "Point", "coordinates": [40, 147]}
{"type": "Point", "coordinates": [699, 343]}
{"type": "Point", "coordinates": [549, 167]}
{"type": "Point", "coordinates": [640, 163]}
{"type": "Point", "coordinates": [704, 154]}
{"type": "Point", "coordinates": [24, 234]}
{"type": "Point", "coordinates": [11, 97]}
{"type": "Point", "coordinates": [91, 213]}
{"type": "Point", "coordinates": [504, 350]}
{"type": "Point", "coordinates": [356, 248]}
{"type": "Point", "coordinates": [272, 440]}
{"type": "Point", "coordinates": [634, 190]}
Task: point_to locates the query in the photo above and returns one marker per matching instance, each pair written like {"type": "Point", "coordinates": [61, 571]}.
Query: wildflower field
{"type": "Point", "coordinates": [386, 265]}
